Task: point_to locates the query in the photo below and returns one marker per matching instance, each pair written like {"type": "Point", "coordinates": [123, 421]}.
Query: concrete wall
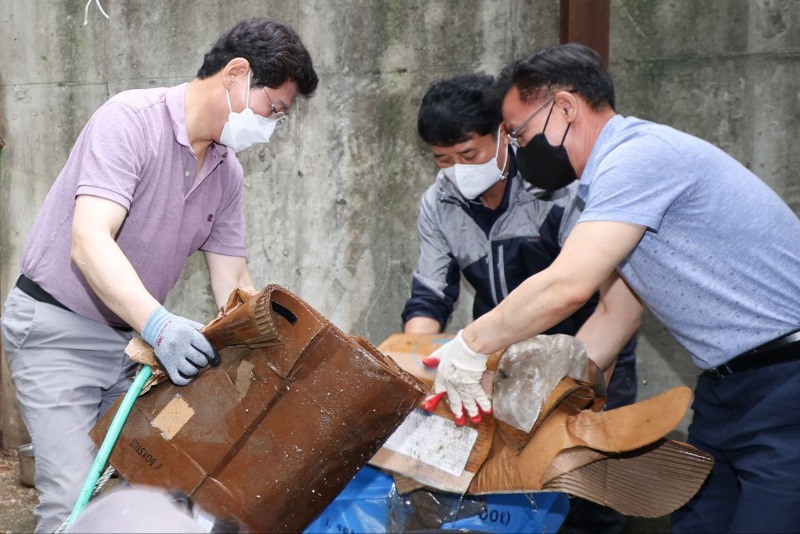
{"type": "Point", "coordinates": [331, 202]}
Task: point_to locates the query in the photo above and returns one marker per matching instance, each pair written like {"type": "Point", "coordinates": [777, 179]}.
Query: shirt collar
{"type": "Point", "coordinates": [176, 107]}
{"type": "Point", "coordinates": [176, 98]}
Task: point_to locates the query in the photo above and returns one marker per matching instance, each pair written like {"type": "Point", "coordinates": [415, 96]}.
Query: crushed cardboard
{"type": "Point", "coordinates": [618, 458]}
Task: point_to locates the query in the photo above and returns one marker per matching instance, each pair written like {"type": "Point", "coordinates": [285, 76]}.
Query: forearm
{"type": "Point", "coordinates": [539, 303]}
{"type": "Point", "coordinates": [605, 336]}
{"type": "Point", "coordinates": [112, 277]}
{"type": "Point", "coordinates": [422, 325]}
{"type": "Point", "coordinates": [226, 273]}
{"type": "Point", "coordinates": [615, 320]}
{"type": "Point", "coordinates": [221, 289]}
{"type": "Point", "coordinates": [589, 257]}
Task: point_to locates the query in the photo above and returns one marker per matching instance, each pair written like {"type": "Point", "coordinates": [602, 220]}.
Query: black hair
{"type": "Point", "coordinates": [274, 50]}
{"type": "Point", "coordinates": [455, 108]}
{"type": "Point", "coordinates": [570, 66]}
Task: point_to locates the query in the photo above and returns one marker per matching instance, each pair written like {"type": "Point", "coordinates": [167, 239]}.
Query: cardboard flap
{"type": "Point", "coordinates": [654, 482]}
{"type": "Point", "coordinates": [569, 396]}
{"type": "Point", "coordinates": [629, 429]}
{"type": "Point", "coordinates": [433, 451]}
{"type": "Point", "coordinates": [633, 426]}
{"type": "Point", "coordinates": [296, 324]}
{"type": "Point", "coordinates": [245, 320]}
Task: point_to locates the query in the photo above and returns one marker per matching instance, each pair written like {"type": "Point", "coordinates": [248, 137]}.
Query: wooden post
{"type": "Point", "coordinates": [586, 22]}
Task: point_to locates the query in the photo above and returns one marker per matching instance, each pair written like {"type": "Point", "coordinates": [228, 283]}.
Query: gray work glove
{"type": "Point", "coordinates": [178, 345]}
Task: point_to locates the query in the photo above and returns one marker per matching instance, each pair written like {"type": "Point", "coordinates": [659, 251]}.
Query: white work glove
{"type": "Point", "coordinates": [179, 347]}
{"type": "Point", "coordinates": [459, 377]}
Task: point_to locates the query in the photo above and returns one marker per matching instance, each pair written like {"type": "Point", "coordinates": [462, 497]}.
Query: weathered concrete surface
{"type": "Point", "coordinates": [331, 202]}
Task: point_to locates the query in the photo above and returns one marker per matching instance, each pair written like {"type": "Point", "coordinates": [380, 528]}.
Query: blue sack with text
{"type": "Point", "coordinates": [371, 504]}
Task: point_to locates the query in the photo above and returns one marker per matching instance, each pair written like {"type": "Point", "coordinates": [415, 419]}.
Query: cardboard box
{"type": "Point", "coordinates": [274, 433]}
{"type": "Point", "coordinates": [618, 457]}
{"type": "Point", "coordinates": [429, 448]}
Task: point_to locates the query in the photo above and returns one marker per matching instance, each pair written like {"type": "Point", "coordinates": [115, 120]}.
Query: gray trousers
{"type": "Point", "coordinates": [67, 370]}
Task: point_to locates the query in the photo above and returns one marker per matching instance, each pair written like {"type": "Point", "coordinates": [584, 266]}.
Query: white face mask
{"type": "Point", "coordinates": [473, 180]}
{"type": "Point", "coordinates": [245, 129]}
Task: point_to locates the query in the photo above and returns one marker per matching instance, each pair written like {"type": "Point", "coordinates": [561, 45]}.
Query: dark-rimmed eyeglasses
{"type": "Point", "coordinates": [514, 136]}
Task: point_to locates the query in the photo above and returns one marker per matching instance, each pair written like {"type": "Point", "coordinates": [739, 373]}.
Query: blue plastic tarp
{"type": "Point", "coordinates": [363, 506]}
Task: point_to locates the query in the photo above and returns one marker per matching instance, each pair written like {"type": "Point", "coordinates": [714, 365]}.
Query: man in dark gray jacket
{"type": "Point", "coordinates": [482, 220]}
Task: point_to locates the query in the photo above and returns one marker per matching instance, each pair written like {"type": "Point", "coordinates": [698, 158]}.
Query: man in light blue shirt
{"type": "Point", "coordinates": [672, 223]}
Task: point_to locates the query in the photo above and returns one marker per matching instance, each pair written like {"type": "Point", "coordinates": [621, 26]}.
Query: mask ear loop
{"type": "Point", "coordinates": [497, 153]}
{"type": "Point", "coordinates": [565, 133]}
{"type": "Point", "coordinates": [548, 116]}
{"type": "Point", "coordinates": [247, 98]}
{"type": "Point", "coordinates": [548, 120]}
{"type": "Point", "coordinates": [228, 94]}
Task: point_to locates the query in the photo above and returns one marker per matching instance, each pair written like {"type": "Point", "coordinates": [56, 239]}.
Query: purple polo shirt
{"type": "Point", "coordinates": [135, 151]}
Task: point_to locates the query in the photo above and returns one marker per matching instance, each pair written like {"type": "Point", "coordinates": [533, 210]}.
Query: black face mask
{"type": "Point", "coordinates": [544, 165]}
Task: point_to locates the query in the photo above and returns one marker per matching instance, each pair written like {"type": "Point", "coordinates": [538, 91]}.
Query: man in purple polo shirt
{"type": "Point", "coordinates": [152, 178]}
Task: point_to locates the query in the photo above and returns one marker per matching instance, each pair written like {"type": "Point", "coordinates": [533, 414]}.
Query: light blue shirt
{"type": "Point", "coordinates": [719, 263]}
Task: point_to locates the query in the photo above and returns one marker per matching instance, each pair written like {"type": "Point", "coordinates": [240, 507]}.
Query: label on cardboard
{"type": "Point", "coordinates": [172, 418]}
{"type": "Point", "coordinates": [434, 440]}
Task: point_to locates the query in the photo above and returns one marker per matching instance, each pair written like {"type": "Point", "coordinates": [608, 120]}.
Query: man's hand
{"type": "Point", "coordinates": [179, 347]}
{"type": "Point", "coordinates": [459, 377]}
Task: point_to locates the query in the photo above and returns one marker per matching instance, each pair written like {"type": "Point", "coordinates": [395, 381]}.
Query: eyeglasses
{"type": "Point", "coordinates": [514, 136]}
{"type": "Point", "coordinates": [279, 116]}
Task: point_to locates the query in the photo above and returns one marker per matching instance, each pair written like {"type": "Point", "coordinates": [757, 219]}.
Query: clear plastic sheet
{"type": "Point", "coordinates": [429, 511]}
{"type": "Point", "coordinates": [529, 370]}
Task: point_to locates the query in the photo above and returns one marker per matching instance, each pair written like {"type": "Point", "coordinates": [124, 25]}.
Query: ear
{"type": "Point", "coordinates": [503, 133]}
{"type": "Point", "coordinates": [567, 105]}
{"type": "Point", "coordinates": [235, 68]}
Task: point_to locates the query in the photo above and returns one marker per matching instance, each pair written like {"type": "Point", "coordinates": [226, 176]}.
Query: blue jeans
{"type": "Point", "coordinates": [750, 423]}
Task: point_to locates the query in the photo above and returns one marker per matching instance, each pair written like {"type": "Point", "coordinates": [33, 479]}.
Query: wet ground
{"type": "Point", "coordinates": [16, 501]}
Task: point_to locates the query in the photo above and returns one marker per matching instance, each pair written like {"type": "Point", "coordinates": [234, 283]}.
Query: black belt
{"type": "Point", "coordinates": [36, 292]}
{"type": "Point", "coordinates": [781, 350]}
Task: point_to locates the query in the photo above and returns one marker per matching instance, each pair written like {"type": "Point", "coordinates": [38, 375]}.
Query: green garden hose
{"type": "Point", "coordinates": [109, 441]}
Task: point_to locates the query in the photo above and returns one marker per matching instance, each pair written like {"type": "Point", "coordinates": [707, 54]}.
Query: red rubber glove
{"type": "Point", "coordinates": [459, 377]}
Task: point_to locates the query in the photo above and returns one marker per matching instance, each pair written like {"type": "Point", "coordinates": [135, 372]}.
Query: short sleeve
{"type": "Point", "coordinates": [637, 182]}
{"type": "Point", "coordinates": [112, 151]}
